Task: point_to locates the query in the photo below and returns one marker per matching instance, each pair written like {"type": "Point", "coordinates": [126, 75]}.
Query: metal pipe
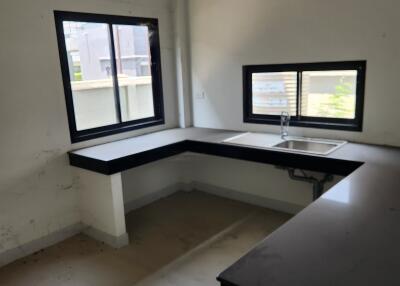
{"type": "Point", "coordinates": [318, 184]}
{"type": "Point", "coordinates": [285, 120]}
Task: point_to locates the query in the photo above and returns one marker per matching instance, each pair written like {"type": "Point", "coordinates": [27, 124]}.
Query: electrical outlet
{"type": "Point", "coordinates": [201, 95]}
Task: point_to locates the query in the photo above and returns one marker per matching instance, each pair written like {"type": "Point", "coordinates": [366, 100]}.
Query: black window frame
{"type": "Point", "coordinates": [355, 124]}
{"type": "Point", "coordinates": [154, 41]}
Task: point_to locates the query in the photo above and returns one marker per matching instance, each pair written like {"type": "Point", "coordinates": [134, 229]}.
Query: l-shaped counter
{"type": "Point", "coordinates": [349, 236]}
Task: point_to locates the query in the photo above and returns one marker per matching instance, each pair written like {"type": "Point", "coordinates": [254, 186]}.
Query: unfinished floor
{"type": "Point", "coordinates": [185, 239]}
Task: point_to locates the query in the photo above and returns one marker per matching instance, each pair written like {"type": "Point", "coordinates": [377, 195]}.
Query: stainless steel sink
{"type": "Point", "coordinates": [314, 146]}
{"type": "Point", "coordinates": [288, 144]}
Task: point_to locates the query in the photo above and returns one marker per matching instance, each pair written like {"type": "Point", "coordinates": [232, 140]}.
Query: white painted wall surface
{"type": "Point", "coordinates": [262, 180]}
{"type": "Point", "coordinates": [37, 193]}
{"type": "Point", "coordinates": [216, 175]}
{"type": "Point", "coordinates": [147, 183]}
{"type": "Point", "coordinates": [227, 34]}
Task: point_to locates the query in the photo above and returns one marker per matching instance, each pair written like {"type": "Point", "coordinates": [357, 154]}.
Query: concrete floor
{"type": "Point", "coordinates": [185, 239]}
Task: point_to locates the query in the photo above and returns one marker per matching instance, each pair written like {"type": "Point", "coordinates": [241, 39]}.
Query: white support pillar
{"type": "Point", "coordinates": [182, 58]}
{"type": "Point", "coordinates": [102, 206]}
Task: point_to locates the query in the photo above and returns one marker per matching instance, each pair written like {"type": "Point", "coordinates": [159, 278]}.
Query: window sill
{"type": "Point", "coordinates": [308, 124]}
{"type": "Point", "coordinates": [76, 138]}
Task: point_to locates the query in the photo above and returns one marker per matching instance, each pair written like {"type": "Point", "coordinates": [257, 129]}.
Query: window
{"type": "Point", "coordinates": [322, 95]}
{"type": "Point", "coordinates": [111, 71]}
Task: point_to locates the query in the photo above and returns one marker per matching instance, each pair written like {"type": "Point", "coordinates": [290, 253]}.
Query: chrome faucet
{"type": "Point", "coordinates": [285, 119]}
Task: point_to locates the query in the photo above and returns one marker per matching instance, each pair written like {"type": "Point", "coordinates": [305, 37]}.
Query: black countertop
{"type": "Point", "coordinates": [349, 236]}
{"type": "Point", "coordinates": [121, 155]}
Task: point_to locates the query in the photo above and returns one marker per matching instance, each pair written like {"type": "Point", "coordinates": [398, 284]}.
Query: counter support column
{"type": "Point", "coordinates": [102, 206]}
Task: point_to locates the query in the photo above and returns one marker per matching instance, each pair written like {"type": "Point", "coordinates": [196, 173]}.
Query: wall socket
{"type": "Point", "coordinates": [200, 95]}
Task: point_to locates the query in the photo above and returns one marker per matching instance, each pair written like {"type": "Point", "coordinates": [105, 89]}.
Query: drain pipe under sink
{"type": "Point", "coordinates": [318, 184]}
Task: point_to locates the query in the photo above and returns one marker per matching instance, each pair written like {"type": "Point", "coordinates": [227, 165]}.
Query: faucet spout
{"type": "Point", "coordinates": [285, 120]}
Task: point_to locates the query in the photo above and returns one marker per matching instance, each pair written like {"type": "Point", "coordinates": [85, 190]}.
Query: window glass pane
{"type": "Point", "coordinates": [88, 52]}
{"type": "Point", "coordinates": [329, 94]}
{"type": "Point", "coordinates": [132, 51]}
{"type": "Point", "coordinates": [274, 92]}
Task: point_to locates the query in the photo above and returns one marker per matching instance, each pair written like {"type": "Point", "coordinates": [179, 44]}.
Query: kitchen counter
{"type": "Point", "coordinates": [122, 155]}
{"type": "Point", "coordinates": [349, 236]}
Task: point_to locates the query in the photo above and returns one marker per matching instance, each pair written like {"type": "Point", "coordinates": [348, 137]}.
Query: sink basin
{"type": "Point", "coordinates": [306, 145]}
{"type": "Point", "coordinates": [289, 144]}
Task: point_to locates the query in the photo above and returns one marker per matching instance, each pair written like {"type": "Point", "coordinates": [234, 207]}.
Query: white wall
{"type": "Point", "coordinates": [226, 34]}
{"type": "Point", "coordinates": [255, 179]}
{"type": "Point", "coordinates": [218, 175]}
{"type": "Point", "coordinates": [37, 192]}
{"type": "Point", "coordinates": [147, 183]}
